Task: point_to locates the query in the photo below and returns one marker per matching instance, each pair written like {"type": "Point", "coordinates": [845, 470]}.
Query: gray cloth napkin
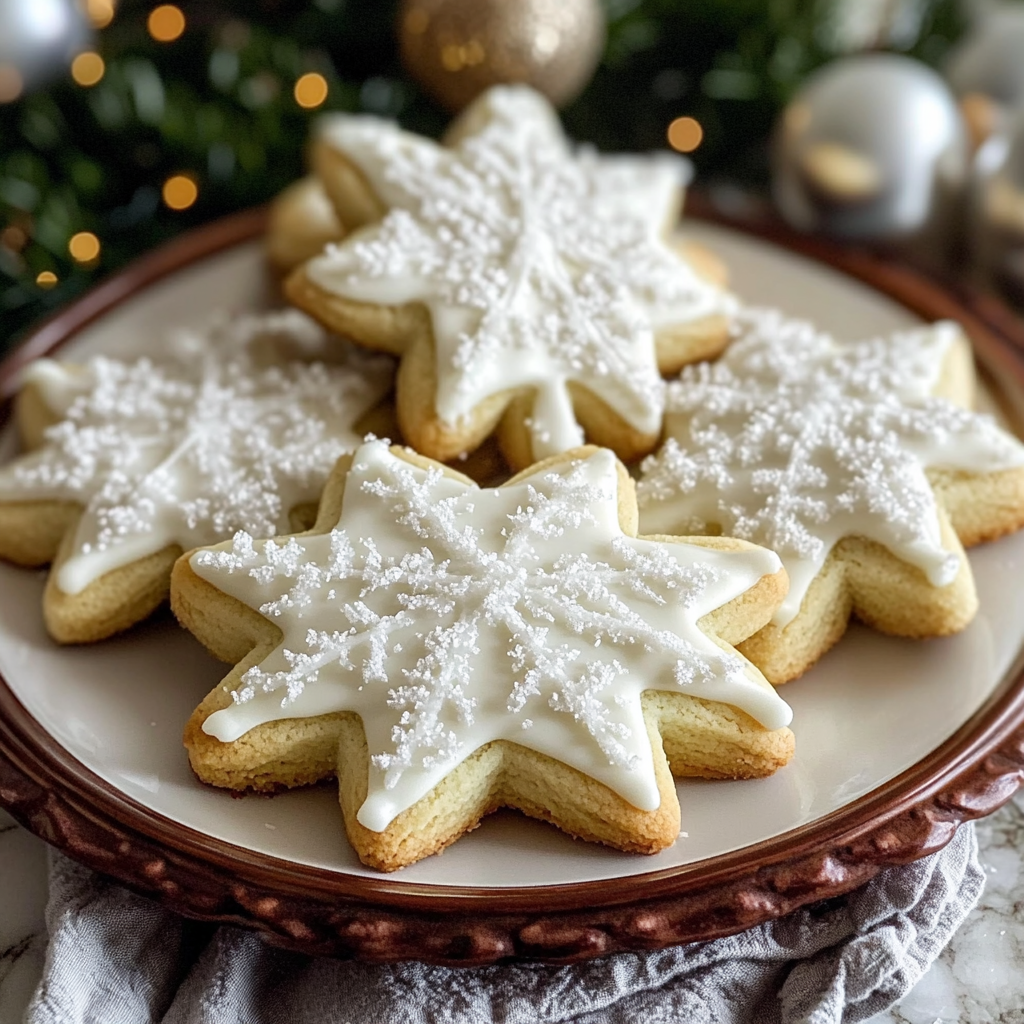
{"type": "Point", "coordinates": [116, 958]}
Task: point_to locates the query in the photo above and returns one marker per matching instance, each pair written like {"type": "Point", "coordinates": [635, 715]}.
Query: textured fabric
{"type": "Point", "coordinates": [116, 958]}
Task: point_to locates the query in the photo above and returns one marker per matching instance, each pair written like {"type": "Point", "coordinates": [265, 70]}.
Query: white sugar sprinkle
{"type": "Point", "coordinates": [792, 440]}
{"type": "Point", "coordinates": [224, 433]}
{"type": "Point", "coordinates": [457, 586]}
{"type": "Point", "coordinates": [552, 257]}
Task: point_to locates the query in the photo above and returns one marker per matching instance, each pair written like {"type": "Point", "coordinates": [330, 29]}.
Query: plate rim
{"type": "Point", "coordinates": [320, 910]}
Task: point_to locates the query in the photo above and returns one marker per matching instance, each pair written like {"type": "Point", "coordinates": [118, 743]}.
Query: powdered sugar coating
{"type": "Point", "coordinates": [447, 616]}
{"type": "Point", "coordinates": [218, 435]}
{"type": "Point", "coordinates": [540, 265]}
{"type": "Point", "coordinates": [793, 441]}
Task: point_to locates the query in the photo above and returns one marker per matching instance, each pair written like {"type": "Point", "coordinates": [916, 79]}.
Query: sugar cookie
{"type": "Point", "coordinates": [133, 461]}
{"type": "Point", "coordinates": [300, 223]}
{"type": "Point", "coordinates": [448, 650]}
{"type": "Point", "coordinates": [857, 463]}
{"type": "Point", "coordinates": [528, 287]}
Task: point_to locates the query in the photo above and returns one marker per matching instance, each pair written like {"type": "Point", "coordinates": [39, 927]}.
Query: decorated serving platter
{"type": "Point", "coordinates": [898, 741]}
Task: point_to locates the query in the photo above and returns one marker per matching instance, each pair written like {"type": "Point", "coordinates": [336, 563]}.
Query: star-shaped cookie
{"type": "Point", "coordinates": [860, 464]}
{"type": "Point", "coordinates": [447, 650]}
{"type": "Point", "coordinates": [133, 461]}
{"type": "Point", "coordinates": [526, 285]}
{"type": "Point", "coordinates": [300, 222]}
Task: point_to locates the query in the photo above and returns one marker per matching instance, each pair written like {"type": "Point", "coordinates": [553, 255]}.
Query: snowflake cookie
{"type": "Point", "coordinates": [859, 464]}
{"type": "Point", "coordinates": [528, 286]}
{"type": "Point", "coordinates": [446, 650]}
{"type": "Point", "coordinates": [131, 462]}
{"type": "Point", "coordinates": [300, 223]}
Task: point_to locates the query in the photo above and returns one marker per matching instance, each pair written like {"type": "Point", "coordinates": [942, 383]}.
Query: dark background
{"type": "Point", "coordinates": [217, 104]}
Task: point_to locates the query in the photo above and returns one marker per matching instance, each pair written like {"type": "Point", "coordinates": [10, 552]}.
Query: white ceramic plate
{"type": "Point", "coordinates": [871, 708]}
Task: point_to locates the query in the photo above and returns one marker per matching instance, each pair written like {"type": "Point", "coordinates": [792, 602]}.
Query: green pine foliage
{"type": "Point", "coordinates": [217, 104]}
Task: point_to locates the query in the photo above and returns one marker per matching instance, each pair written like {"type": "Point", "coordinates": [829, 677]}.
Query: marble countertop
{"type": "Point", "coordinates": [979, 978]}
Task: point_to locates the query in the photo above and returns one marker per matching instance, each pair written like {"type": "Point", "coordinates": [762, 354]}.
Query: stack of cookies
{"type": "Point", "coordinates": [684, 500]}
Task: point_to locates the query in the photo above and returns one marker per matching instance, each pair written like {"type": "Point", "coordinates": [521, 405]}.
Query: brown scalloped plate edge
{"type": "Point", "coordinates": [314, 910]}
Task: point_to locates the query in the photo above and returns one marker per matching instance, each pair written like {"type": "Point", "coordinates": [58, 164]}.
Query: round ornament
{"type": "Point", "coordinates": [456, 49]}
{"type": "Point", "coordinates": [852, 26]}
{"type": "Point", "coordinates": [37, 40]}
{"type": "Point", "coordinates": [986, 70]}
{"type": "Point", "coordinates": [872, 147]}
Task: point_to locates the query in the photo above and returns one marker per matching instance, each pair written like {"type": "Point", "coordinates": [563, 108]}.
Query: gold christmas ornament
{"type": "Point", "coordinates": [456, 49]}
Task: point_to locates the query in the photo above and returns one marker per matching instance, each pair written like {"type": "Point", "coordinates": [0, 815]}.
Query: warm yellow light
{"type": "Point", "coordinates": [46, 279]}
{"type": "Point", "coordinates": [180, 192]}
{"type": "Point", "coordinates": [88, 68]}
{"type": "Point", "coordinates": [311, 90]}
{"type": "Point", "coordinates": [473, 53]}
{"type": "Point", "coordinates": [84, 246]}
{"type": "Point", "coordinates": [452, 58]}
{"type": "Point", "coordinates": [166, 23]}
{"type": "Point", "coordinates": [685, 134]}
{"type": "Point", "coordinates": [416, 21]}
{"type": "Point", "coordinates": [841, 172]}
{"type": "Point", "coordinates": [11, 83]}
{"type": "Point", "coordinates": [101, 12]}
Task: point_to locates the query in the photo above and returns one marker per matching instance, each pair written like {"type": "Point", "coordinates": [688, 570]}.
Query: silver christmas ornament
{"type": "Point", "coordinates": [997, 210]}
{"type": "Point", "coordinates": [986, 69]}
{"type": "Point", "coordinates": [873, 148]}
{"type": "Point", "coordinates": [849, 26]}
{"type": "Point", "coordinates": [38, 38]}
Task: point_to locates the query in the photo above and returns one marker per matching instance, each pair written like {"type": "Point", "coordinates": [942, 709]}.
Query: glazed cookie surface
{"type": "Point", "coordinates": [447, 650]}
{"type": "Point", "coordinates": [860, 464]}
{"type": "Point", "coordinates": [131, 462]}
{"type": "Point", "coordinates": [528, 286]}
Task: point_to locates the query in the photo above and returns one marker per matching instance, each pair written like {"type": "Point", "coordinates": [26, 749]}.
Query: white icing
{"type": "Point", "coordinates": [793, 441]}
{"type": "Point", "coordinates": [540, 265]}
{"type": "Point", "coordinates": [220, 435]}
{"type": "Point", "coordinates": [448, 616]}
